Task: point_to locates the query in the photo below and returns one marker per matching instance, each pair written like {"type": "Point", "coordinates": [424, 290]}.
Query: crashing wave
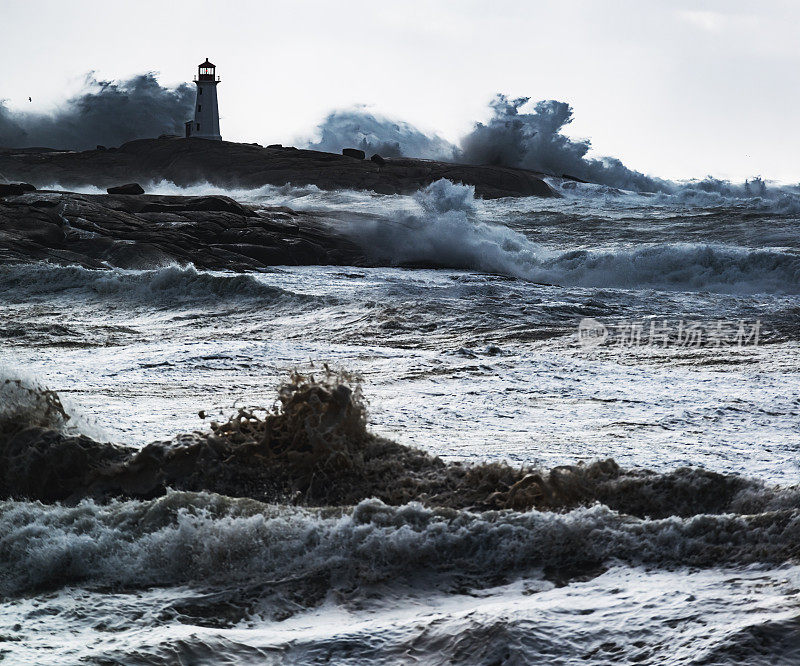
{"type": "Point", "coordinates": [534, 139]}
{"type": "Point", "coordinates": [168, 284]}
{"type": "Point", "coordinates": [755, 195]}
{"type": "Point", "coordinates": [445, 232]}
{"type": "Point", "coordinates": [203, 538]}
{"type": "Point", "coordinates": [24, 404]}
{"type": "Point", "coordinates": [238, 503]}
{"type": "Point", "coordinates": [372, 133]}
{"type": "Point", "coordinates": [313, 447]}
{"type": "Point", "coordinates": [511, 137]}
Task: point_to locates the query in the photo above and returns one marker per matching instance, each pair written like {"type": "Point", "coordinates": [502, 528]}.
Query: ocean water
{"type": "Point", "coordinates": [468, 345]}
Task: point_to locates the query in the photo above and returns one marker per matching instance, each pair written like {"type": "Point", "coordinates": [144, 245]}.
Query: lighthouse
{"type": "Point", "coordinates": [206, 112]}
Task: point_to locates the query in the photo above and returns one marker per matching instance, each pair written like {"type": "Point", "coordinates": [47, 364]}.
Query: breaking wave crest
{"type": "Point", "coordinates": [402, 515]}
{"type": "Point", "coordinates": [780, 200]}
{"type": "Point", "coordinates": [168, 284]}
{"type": "Point", "coordinates": [206, 538]}
{"type": "Point", "coordinates": [753, 195]}
{"type": "Point", "coordinates": [677, 266]}
{"type": "Point", "coordinates": [446, 233]}
{"type": "Point", "coordinates": [24, 404]}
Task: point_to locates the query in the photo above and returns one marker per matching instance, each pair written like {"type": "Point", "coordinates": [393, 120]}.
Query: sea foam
{"type": "Point", "coordinates": [204, 538]}
{"type": "Point", "coordinates": [446, 232]}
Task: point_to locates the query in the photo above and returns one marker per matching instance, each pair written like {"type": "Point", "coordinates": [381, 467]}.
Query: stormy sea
{"type": "Point", "coordinates": [560, 430]}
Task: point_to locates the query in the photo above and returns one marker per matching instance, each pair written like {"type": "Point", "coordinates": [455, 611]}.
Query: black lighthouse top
{"type": "Point", "coordinates": [205, 71]}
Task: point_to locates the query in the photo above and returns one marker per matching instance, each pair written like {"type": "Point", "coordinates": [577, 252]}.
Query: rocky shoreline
{"type": "Point", "coordinates": [229, 165]}
{"type": "Point", "coordinates": [147, 231]}
{"type": "Point", "coordinates": [138, 231]}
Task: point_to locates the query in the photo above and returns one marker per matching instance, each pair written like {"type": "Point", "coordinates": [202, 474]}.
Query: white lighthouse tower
{"type": "Point", "coordinates": [206, 111]}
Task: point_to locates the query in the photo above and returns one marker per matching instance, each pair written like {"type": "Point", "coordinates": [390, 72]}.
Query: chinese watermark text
{"type": "Point", "coordinates": [669, 333]}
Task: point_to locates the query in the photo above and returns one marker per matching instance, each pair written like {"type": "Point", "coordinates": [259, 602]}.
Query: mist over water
{"type": "Point", "coordinates": [530, 136]}
{"type": "Point", "coordinates": [513, 138]}
{"type": "Point", "coordinates": [535, 141]}
{"type": "Point", "coordinates": [358, 128]}
{"type": "Point", "coordinates": [107, 113]}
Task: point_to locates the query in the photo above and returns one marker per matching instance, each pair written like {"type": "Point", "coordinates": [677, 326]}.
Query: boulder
{"type": "Point", "coordinates": [130, 188]}
{"type": "Point", "coordinates": [275, 145]}
{"type": "Point", "coordinates": [99, 147]}
{"type": "Point", "coordinates": [354, 152]}
{"type": "Point", "coordinates": [377, 159]}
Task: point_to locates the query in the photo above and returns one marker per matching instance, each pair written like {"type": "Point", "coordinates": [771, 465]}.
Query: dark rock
{"type": "Point", "coordinates": [130, 188]}
{"type": "Point", "coordinates": [136, 256]}
{"type": "Point", "coordinates": [566, 176]}
{"type": "Point", "coordinates": [211, 203]}
{"type": "Point", "coordinates": [99, 147]}
{"type": "Point", "coordinates": [28, 473]}
{"type": "Point", "coordinates": [147, 231]}
{"type": "Point", "coordinates": [274, 145]}
{"type": "Point", "coordinates": [225, 164]}
{"type": "Point", "coordinates": [15, 189]}
{"type": "Point", "coordinates": [30, 150]}
{"type": "Point", "coordinates": [377, 159]}
{"type": "Point", "coordinates": [354, 152]}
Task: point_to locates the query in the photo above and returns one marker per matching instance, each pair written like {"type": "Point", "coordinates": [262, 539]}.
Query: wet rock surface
{"type": "Point", "coordinates": [15, 189]}
{"type": "Point", "coordinates": [130, 188]}
{"type": "Point", "coordinates": [146, 231]}
{"type": "Point", "coordinates": [227, 164]}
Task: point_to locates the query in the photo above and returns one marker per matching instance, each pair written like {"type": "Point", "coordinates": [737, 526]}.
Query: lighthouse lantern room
{"type": "Point", "coordinates": [206, 111]}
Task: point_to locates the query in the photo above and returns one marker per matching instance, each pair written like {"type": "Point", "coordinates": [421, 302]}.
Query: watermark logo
{"type": "Point", "coordinates": [591, 332]}
{"type": "Point", "coordinates": [669, 333]}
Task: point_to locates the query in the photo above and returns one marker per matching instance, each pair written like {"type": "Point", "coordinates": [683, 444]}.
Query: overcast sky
{"type": "Point", "coordinates": [675, 89]}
